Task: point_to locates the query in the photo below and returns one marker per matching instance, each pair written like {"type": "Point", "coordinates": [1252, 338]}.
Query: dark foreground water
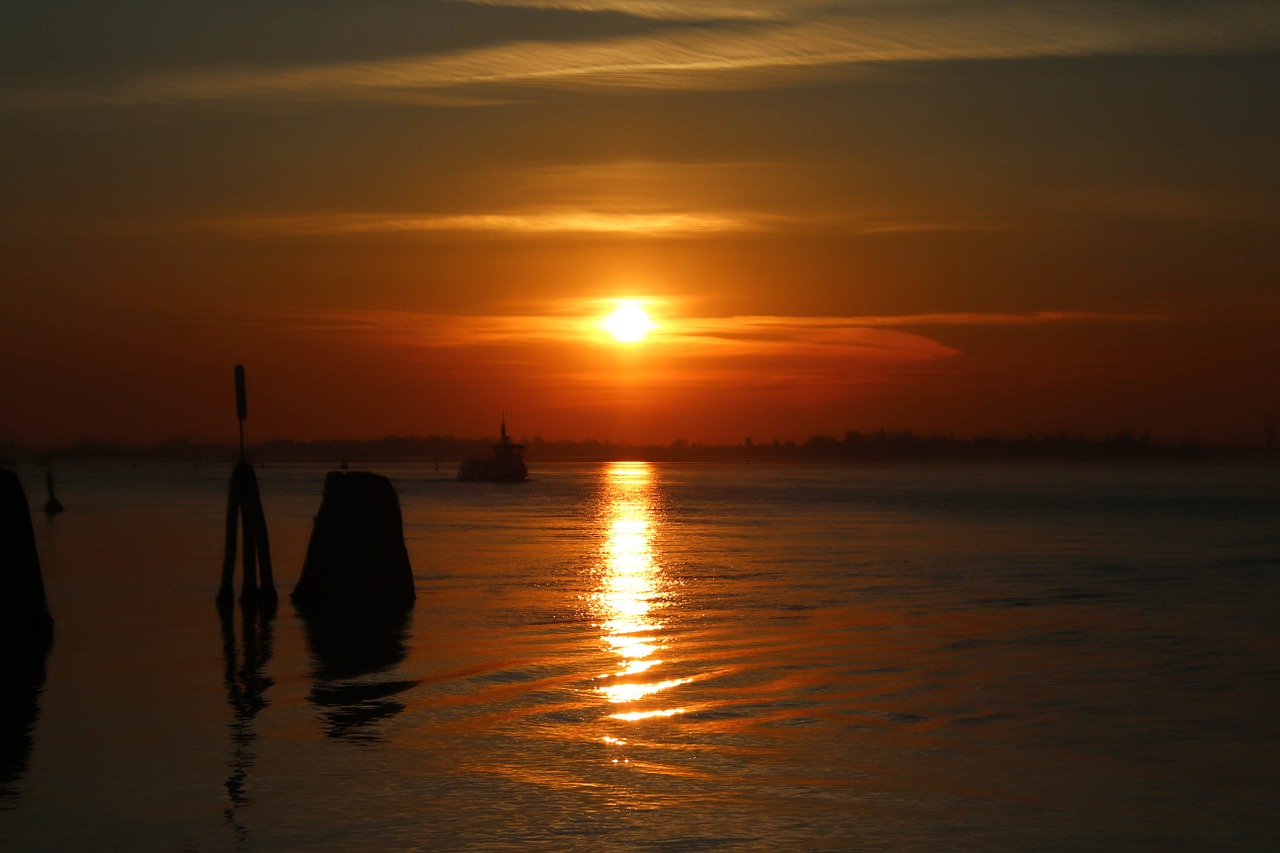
{"type": "Point", "coordinates": [675, 658]}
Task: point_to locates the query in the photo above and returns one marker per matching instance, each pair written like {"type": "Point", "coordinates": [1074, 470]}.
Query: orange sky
{"type": "Point", "coordinates": [409, 217]}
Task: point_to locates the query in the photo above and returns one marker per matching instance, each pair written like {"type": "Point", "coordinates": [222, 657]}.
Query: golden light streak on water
{"type": "Point", "coordinates": [632, 692]}
{"type": "Point", "coordinates": [633, 650]}
{"type": "Point", "coordinates": [630, 590]}
{"type": "Point", "coordinates": [634, 667]}
{"type": "Point", "coordinates": [632, 716]}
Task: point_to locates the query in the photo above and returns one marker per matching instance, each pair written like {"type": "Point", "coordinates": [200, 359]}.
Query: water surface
{"type": "Point", "coordinates": [674, 657]}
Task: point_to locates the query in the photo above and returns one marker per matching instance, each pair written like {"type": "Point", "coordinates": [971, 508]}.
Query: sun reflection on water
{"type": "Point", "coordinates": [630, 592]}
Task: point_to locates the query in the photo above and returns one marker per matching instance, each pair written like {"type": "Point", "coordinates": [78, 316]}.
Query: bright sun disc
{"type": "Point", "coordinates": [628, 323]}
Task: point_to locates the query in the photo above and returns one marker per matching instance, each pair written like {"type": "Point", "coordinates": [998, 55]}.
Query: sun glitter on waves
{"type": "Point", "coordinates": [629, 322]}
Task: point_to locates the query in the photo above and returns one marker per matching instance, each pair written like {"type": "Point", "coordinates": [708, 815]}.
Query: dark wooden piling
{"type": "Point", "coordinates": [356, 556]}
{"type": "Point", "coordinates": [26, 633]}
{"type": "Point", "coordinates": [24, 611]}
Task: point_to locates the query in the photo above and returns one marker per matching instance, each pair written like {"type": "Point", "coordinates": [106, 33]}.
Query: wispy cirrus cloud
{"type": "Point", "coordinates": [583, 222]}
{"type": "Point", "coordinates": [653, 199]}
{"type": "Point", "coordinates": [679, 353]}
{"type": "Point", "coordinates": [683, 10]}
{"type": "Point", "coordinates": [576, 221]}
{"type": "Point", "coordinates": [580, 321]}
{"type": "Point", "coordinates": [786, 358]}
{"type": "Point", "coordinates": [766, 51]}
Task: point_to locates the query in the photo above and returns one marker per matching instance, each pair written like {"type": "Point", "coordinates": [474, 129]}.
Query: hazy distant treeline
{"type": "Point", "coordinates": [854, 446]}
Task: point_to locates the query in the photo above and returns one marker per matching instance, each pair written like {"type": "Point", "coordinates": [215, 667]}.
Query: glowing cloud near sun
{"type": "Point", "coordinates": [629, 322]}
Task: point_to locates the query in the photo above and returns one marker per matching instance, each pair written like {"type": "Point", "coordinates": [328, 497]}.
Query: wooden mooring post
{"type": "Point", "coordinates": [245, 504]}
{"type": "Point", "coordinates": [25, 623]}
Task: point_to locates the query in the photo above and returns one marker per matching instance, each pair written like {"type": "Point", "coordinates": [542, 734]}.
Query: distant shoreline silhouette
{"type": "Point", "coordinates": [853, 447]}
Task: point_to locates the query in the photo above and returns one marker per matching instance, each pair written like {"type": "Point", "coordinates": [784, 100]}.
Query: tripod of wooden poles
{"type": "Point", "coordinates": [244, 510]}
{"type": "Point", "coordinates": [244, 505]}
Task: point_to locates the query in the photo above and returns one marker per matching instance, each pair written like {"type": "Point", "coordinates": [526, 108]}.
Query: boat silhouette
{"type": "Point", "coordinates": [506, 466]}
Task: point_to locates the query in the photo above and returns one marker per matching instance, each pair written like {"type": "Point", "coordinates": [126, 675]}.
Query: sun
{"type": "Point", "coordinates": [628, 323]}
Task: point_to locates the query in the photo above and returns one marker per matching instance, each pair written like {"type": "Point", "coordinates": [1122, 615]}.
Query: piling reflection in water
{"type": "Point", "coordinates": [631, 591]}
{"type": "Point", "coordinates": [353, 649]}
{"type": "Point", "coordinates": [244, 673]}
{"type": "Point", "coordinates": [23, 670]}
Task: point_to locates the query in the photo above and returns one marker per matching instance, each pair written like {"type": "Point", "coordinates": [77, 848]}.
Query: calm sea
{"type": "Point", "coordinates": [677, 658]}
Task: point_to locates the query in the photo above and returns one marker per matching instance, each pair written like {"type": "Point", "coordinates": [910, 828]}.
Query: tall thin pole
{"type": "Point", "coordinates": [242, 408]}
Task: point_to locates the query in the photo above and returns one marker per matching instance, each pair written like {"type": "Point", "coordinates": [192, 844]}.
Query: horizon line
{"type": "Point", "coordinates": [1145, 439]}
